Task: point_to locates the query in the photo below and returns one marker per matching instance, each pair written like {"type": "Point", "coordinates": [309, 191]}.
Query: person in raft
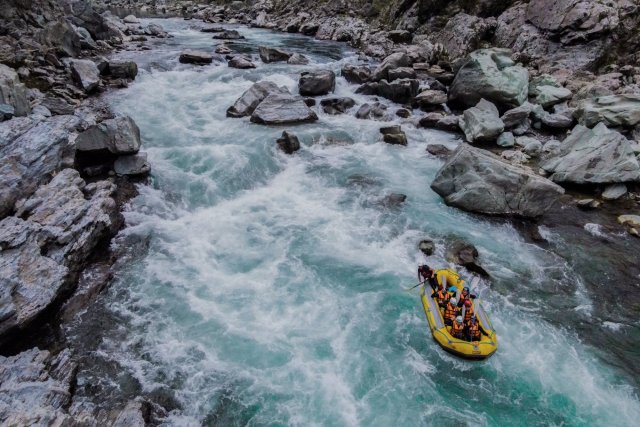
{"type": "Point", "coordinates": [450, 311]}
{"type": "Point", "coordinates": [457, 329]}
{"type": "Point", "coordinates": [465, 296]}
{"type": "Point", "coordinates": [426, 273]}
{"type": "Point", "coordinates": [441, 295]}
{"type": "Point", "coordinates": [474, 330]}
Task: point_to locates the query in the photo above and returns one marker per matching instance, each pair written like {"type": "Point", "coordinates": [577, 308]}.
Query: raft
{"type": "Point", "coordinates": [474, 350]}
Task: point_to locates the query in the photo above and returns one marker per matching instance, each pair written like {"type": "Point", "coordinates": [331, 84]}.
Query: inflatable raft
{"type": "Point", "coordinates": [469, 350]}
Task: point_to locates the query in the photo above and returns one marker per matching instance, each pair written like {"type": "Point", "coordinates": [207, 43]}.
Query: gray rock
{"type": "Point", "coordinates": [612, 110]}
{"type": "Point", "coordinates": [297, 59]}
{"type": "Point", "coordinates": [482, 122]}
{"type": "Point", "coordinates": [31, 149]}
{"type": "Point", "coordinates": [356, 73]}
{"type": "Point", "coordinates": [450, 123]}
{"type": "Point", "coordinates": [376, 111]}
{"type": "Point", "coordinates": [132, 164]}
{"type": "Point", "coordinates": [506, 140]}
{"type": "Point", "coordinates": [438, 150]}
{"type": "Point", "coordinates": [464, 254]}
{"type": "Point", "coordinates": [431, 98]}
{"type": "Point", "coordinates": [393, 135]}
{"type": "Point", "coordinates": [402, 91]}
{"type": "Point", "coordinates": [36, 388]}
{"type": "Point", "coordinates": [12, 92]}
{"type": "Point", "coordinates": [393, 61]}
{"type": "Point", "coordinates": [6, 112]}
{"type": "Point", "coordinates": [131, 19]}
{"type": "Point", "coordinates": [614, 191]}
{"type": "Point", "coordinates": [271, 54]}
{"type": "Point", "coordinates": [427, 247]}
{"type": "Point", "coordinates": [401, 73]}
{"type": "Point", "coordinates": [593, 156]}
{"type": "Point", "coordinates": [133, 415]}
{"type": "Point", "coordinates": [463, 33]}
{"type": "Point", "coordinates": [587, 204]}
{"type": "Point", "coordinates": [393, 200]}
{"type": "Point", "coordinates": [400, 36]}
{"type": "Point", "coordinates": [557, 121]}
{"type": "Point", "coordinates": [288, 142]}
{"type": "Point", "coordinates": [492, 75]}
{"type": "Point", "coordinates": [337, 105]}
{"type": "Point", "coordinates": [193, 56]}
{"type": "Point", "coordinates": [548, 96]}
{"type": "Point", "coordinates": [541, 80]}
{"type": "Point", "coordinates": [61, 36]}
{"type": "Point", "coordinates": [228, 35]}
{"type": "Point", "coordinates": [247, 103]}
{"type": "Point", "coordinates": [478, 181]}
{"type": "Point", "coordinates": [429, 120]}
{"type": "Point", "coordinates": [86, 74]}
{"type": "Point", "coordinates": [58, 105]}
{"type": "Point", "coordinates": [533, 148]}
{"type": "Point", "coordinates": [242, 62]}
{"type": "Point", "coordinates": [282, 108]}
{"type": "Point", "coordinates": [515, 116]}
{"type": "Point", "coordinates": [123, 69]}
{"type": "Point", "coordinates": [551, 146]}
{"type": "Point", "coordinates": [120, 135]}
{"type": "Point", "coordinates": [315, 83]}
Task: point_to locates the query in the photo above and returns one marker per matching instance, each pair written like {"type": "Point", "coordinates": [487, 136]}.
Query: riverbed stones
{"type": "Point", "coordinates": [356, 73]}
{"type": "Point", "coordinates": [316, 83]}
{"type": "Point", "coordinates": [516, 116]}
{"type": "Point", "coordinates": [252, 97]}
{"type": "Point", "coordinates": [593, 156]}
{"type": "Point", "coordinates": [482, 122]}
{"type": "Point", "coordinates": [335, 106]}
{"type": "Point", "coordinates": [393, 135]}
{"type": "Point", "coordinates": [288, 142]}
{"type": "Point", "coordinates": [271, 54]}
{"type": "Point", "coordinates": [612, 110]}
{"type": "Point", "coordinates": [12, 92]}
{"type": "Point", "coordinates": [490, 74]}
{"type": "Point", "coordinates": [119, 135]}
{"type": "Point", "coordinates": [193, 56]}
{"type": "Point", "coordinates": [478, 181]}
{"type": "Point", "coordinates": [86, 74]}
{"type": "Point", "coordinates": [283, 108]}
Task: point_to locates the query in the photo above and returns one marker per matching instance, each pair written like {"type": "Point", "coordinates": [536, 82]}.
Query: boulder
{"type": "Point", "coordinates": [393, 135]}
{"type": "Point", "coordinates": [119, 136]}
{"type": "Point", "coordinates": [271, 54]}
{"type": "Point", "coordinates": [36, 388]}
{"type": "Point", "coordinates": [492, 75]}
{"type": "Point", "coordinates": [593, 156]}
{"type": "Point", "coordinates": [193, 56]}
{"type": "Point", "coordinates": [315, 83]}
{"type": "Point", "coordinates": [438, 150]}
{"type": "Point", "coordinates": [430, 98]}
{"type": "Point", "coordinates": [6, 112]}
{"type": "Point", "coordinates": [548, 96]}
{"type": "Point", "coordinates": [400, 36]}
{"type": "Point", "coordinates": [402, 91]}
{"type": "Point", "coordinates": [131, 19]}
{"type": "Point", "coordinates": [123, 69]}
{"type": "Point", "coordinates": [228, 35]}
{"type": "Point", "coordinates": [557, 121]}
{"type": "Point", "coordinates": [376, 111]}
{"type": "Point", "coordinates": [614, 192]}
{"type": "Point", "coordinates": [612, 110]}
{"type": "Point", "coordinates": [297, 59]}
{"type": "Point", "coordinates": [429, 120]}
{"type": "Point", "coordinates": [247, 103]}
{"type": "Point", "coordinates": [427, 247]}
{"type": "Point", "coordinates": [403, 112]}
{"type": "Point", "coordinates": [630, 220]}
{"type": "Point", "coordinates": [464, 33]}
{"type": "Point", "coordinates": [506, 140]}
{"type": "Point", "coordinates": [223, 50]}
{"type": "Point", "coordinates": [86, 74]}
{"type": "Point", "coordinates": [478, 181]}
{"type": "Point", "coordinates": [401, 73]}
{"type": "Point", "coordinates": [337, 105]}
{"type": "Point", "coordinates": [356, 73]}
{"type": "Point", "coordinates": [393, 61]}
{"type": "Point", "coordinates": [61, 36]}
{"type": "Point", "coordinates": [241, 61]}
{"type": "Point", "coordinates": [482, 122]}
{"type": "Point", "coordinates": [466, 255]}
{"type": "Point", "coordinates": [393, 200]}
{"type": "Point", "coordinates": [58, 105]}
{"type": "Point", "coordinates": [515, 116]}
{"type": "Point", "coordinates": [449, 123]}
{"type": "Point", "coordinates": [282, 108]}
{"type": "Point", "coordinates": [288, 142]}
{"type": "Point", "coordinates": [132, 164]}
{"type": "Point", "coordinates": [12, 92]}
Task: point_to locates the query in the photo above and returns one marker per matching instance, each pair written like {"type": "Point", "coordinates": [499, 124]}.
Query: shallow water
{"type": "Point", "coordinates": [271, 289]}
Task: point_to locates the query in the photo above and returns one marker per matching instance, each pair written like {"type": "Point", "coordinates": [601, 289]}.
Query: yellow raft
{"type": "Point", "coordinates": [476, 350]}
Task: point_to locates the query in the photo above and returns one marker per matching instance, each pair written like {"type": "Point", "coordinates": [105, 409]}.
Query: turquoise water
{"type": "Point", "coordinates": [272, 289]}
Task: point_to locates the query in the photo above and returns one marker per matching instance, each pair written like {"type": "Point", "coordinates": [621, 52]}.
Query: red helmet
{"type": "Point", "coordinates": [467, 303]}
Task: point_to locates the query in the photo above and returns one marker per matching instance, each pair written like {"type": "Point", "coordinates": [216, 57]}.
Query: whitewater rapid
{"type": "Point", "coordinates": [271, 287]}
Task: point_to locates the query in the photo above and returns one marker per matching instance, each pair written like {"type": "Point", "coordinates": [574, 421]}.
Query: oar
{"type": "Point", "coordinates": [413, 287]}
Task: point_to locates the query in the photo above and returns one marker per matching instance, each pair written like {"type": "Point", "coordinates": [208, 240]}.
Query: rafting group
{"type": "Point", "coordinates": [455, 315]}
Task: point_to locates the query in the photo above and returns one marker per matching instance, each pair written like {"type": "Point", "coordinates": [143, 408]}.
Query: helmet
{"type": "Point", "coordinates": [459, 319]}
{"type": "Point", "coordinates": [473, 318]}
{"type": "Point", "coordinates": [467, 303]}
{"type": "Point", "coordinates": [453, 301]}
{"type": "Point", "coordinates": [465, 290]}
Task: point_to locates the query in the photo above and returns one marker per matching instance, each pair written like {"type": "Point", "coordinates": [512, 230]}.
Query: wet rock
{"type": "Point", "coordinates": [288, 143]}
{"type": "Point", "coordinates": [449, 123]}
{"type": "Point", "coordinates": [12, 92]}
{"type": "Point", "coordinates": [242, 62]}
{"type": "Point", "coordinates": [119, 136]}
{"type": "Point", "coordinates": [403, 112]}
{"type": "Point", "coordinates": [297, 59]}
{"type": "Point", "coordinates": [223, 50]}
{"type": "Point", "coordinates": [377, 111]}
{"type": "Point", "coordinates": [123, 69]}
{"type": "Point", "coordinates": [393, 135]}
{"type": "Point", "coordinates": [427, 247]}
{"type": "Point", "coordinates": [478, 181]}
{"type": "Point", "coordinates": [6, 112]}
{"type": "Point", "coordinates": [429, 120]}
{"type": "Point", "coordinates": [247, 103]}
{"type": "Point", "coordinates": [482, 122]}
{"type": "Point", "coordinates": [198, 57]}
{"type": "Point", "coordinates": [506, 140]}
{"type": "Point", "coordinates": [391, 62]}
{"type": "Point", "coordinates": [310, 102]}
{"type": "Point", "coordinates": [548, 96]}
{"type": "Point", "coordinates": [393, 200]}
{"type": "Point", "coordinates": [466, 255]}
{"type": "Point", "coordinates": [430, 98]}
{"type": "Point", "coordinates": [86, 74]}
{"type": "Point", "coordinates": [593, 156]}
{"type": "Point", "coordinates": [337, 105]}
{"type": "Point", "coordinates": [315, 83]}
{"type": "Point", "coordinates": [282, 108]}
{"type": "Point", "coordinates": [401, 73]}
{"type": "Point", "coordinates": [228, 35]}
{"type": "Point", "coordinates": [356, 73]}
{"type": "Point", "coordinates": [492, 75]}
{"type": "Point", "coordinates": [36, 388]}
{"type": "Point", "coordinates": [132, 164]}
{"type": "Point", "coordinates": [614, 192]}
{"type": "Point", "coordinates": [212, 30]}
{"type": "Point", "coordinates": [270, 54]}
{"type": "Point", "coordinates": [401, 91]}
{"type": "Point", "coordinates": [630, 220]}
{"type": "Point", "coordinates": [438, 150]}
{"type": "Point", "coordinates": [612, 110]}
{"type": "Point", "coordinates": [587, 204]}
{"type": "Point", "coordinates": [135, 414]}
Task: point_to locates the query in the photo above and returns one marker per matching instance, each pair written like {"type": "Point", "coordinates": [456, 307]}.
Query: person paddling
{"type": "Point", "coordinates": [450, 311]}
{"type": "Point", "coordinates": [474, 330]}
{"type": "Point", "coordinates": [426, 273]}
{"type": "Point", "coordinates": [441, 295]}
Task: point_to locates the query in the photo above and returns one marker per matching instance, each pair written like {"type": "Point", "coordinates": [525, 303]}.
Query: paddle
{"type": "Point", "coordinates": [413, 287]}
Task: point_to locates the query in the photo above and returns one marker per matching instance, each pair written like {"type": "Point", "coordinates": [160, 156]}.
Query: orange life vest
{"type": "Point", "coordinates": [468, 313]}
{"type": "Point", "coordinates": [450, 311]}
{"type": "Point", "coordinates": [456, 330]}
{"type": "Point", "coordinates": [442, 296]}
{"type": "Point", "coordinates": [474, 331]}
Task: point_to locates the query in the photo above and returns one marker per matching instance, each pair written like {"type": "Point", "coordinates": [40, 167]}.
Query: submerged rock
{"type": "Point", "coordinates": [393, 135]}
{"type": "Point", "coordinates": [482, 122]}
{"type": "Point", "coordinates": [271, 54]}
{"type": "Point", "coordinates": [315, 83]}
{"type": "Point", "coordinates": [228, 35]}
{"type": "Point", "coordinates": [297, 59]}
{"type": "Point", "coordinates": [252, 97]}
{"type": "Point", "coordinates": [123, 69]}
{"type": "Point", "coordinates": [427, 247]}
{"type": "Point", "coordinates": [288, 142]}
{"type": "Point", "coordinates": [478, 181]}
{"type": "Point", "coordinates": [466, 255]}
{"type": "Point", "coordinates": [192, 56]}
{"type": "Point", "coordinates": [337, 105]}
{"type": "Point", "coordinates": [282, 108]}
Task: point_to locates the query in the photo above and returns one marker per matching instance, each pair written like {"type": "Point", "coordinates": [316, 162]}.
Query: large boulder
{"type": "Point", "coordinates": [482, 122]}
{"type": "Point", "coordinates": [356, 73]}
{"type": "Point", "coordinates": [86, 74]}
{"type": "Point", "coordinates": [192, 56]}
{"type": "Point", "coordinates": [402, 91]}
{"type": "Point", "coordinates": [282, 108]}
{"type": "Point", "coordinates": [46, 243]}
{"type": "Point", "coordinates": [393, 61]}
{"type": "Point", "coordinates": [242, 62]}
{"type": "Point", "coordinates": [61, 36]}
{"type": "Point", "coordinates": [120, 135]}
{"type": "Point", "coordinates": [132, 164]}
{"type": "Point", "coordinates": [228, 35]}
{"type": "Point", "coordinates": [314, 83]}
{"type": "Point", "coordinates": [123, 69]}
{"type": "Point", "coordinates": [271, 54]}
{"type": "Point", "coordinates": [12, 92]}
{"type": "Point", "coordinates": [612, 110]}
{"type": "Point", "coordinates": [478, 181]}
{"type": "Point", "coordinates": [548, 96]}
{"type": "Point", "coordinates": [247, 103]}
{"type": "Point", "coordinates": [593, 156]}
{"type": "Point", "coordinates": [490, 74]}
{"type": "Point", "coordinates": [463, 34]}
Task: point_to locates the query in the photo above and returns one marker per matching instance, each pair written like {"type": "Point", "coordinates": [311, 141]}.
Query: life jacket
{"type": "Point", "coordinates": [442, 296]}
{"type": "Point", "coordinates": [462, 298]}
{"type": "Point", "coordinates": [468, 313]}
{"type": "Point", "coordinates": [456, 329]}
{"type": "Point", "coordinates": [450, 311]}
{"type": "Point", "coordinates": [474, 331]}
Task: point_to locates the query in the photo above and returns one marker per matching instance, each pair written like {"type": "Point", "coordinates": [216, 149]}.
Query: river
{"type": "Point", "coordinates": [266, 289]}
